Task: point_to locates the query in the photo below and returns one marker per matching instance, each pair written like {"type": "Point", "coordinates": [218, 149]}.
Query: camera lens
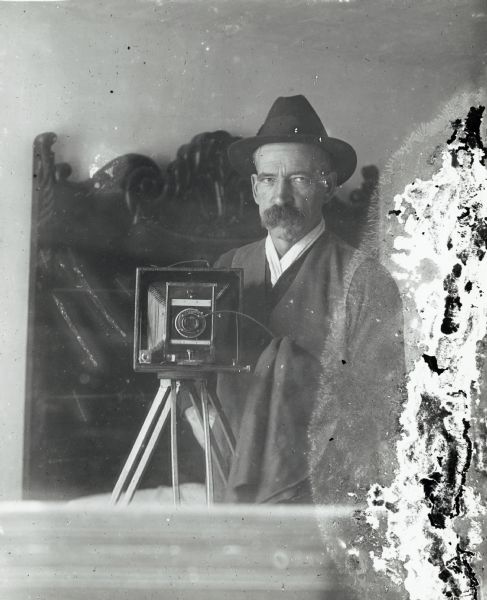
{"type": "Point", "coordinates": [190, 323]}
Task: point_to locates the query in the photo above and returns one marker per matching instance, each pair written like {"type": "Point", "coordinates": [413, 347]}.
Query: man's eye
{"type": "Point", "coordinates": [267, 180]}
{"type": "Point", "coordinates": [300, 179]}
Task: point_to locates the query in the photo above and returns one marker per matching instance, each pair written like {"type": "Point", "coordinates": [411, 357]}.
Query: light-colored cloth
{"type": "Point", "coordinates": [277, 265]}
{"type": "Point", "coordinates": [191, 493]}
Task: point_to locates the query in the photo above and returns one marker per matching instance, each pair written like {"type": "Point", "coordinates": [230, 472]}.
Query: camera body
{"type": "Point", "coordinates": [180, 321]}
{"type": "Point", "coordinates": [187, 318]}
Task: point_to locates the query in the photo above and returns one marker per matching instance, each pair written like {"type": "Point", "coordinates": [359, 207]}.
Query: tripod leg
{"type": "Point", "coordinates": [206, 428]}
{"type": "Point", "coordinates": [227, 430]}
{"type": "Point", "coordinates": [174, 445]}
{"type": "Point", "coordinates": [149, 449]}
{"type": "Point", "coordinates": [161, 396]}
{"type": "Point", "coordinates": [193, 394]}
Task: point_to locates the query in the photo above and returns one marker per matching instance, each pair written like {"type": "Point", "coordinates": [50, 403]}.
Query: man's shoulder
{"type": "Point", "coordinates": [331, 239]}
{"type": "Point", "coordinates": [333, 249]}
{"type": "Point", "coordinates": [367, 275]}
{"type": "Point", "coordinates": [237, 256]}
{"type": "Point", "coordinates": [358, 266]}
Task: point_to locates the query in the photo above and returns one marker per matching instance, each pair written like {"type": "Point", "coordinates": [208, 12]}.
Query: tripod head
{"type": "Point", "coordinates": [198, 372]}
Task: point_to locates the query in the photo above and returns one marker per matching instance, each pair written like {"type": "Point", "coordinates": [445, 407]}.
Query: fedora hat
{"type": "Point", "coordinates": [292, 119]}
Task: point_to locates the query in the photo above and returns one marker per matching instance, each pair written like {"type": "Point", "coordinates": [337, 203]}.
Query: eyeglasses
{"type": "Point", "coordinates": [299, 183]}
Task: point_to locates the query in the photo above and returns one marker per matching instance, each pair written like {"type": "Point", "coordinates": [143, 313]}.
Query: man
{"type": "Point", "coordinates": [316, 417]}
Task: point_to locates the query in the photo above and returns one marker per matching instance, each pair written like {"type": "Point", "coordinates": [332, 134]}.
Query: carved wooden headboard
{"type": "Point", "coordinates": [84, 403]}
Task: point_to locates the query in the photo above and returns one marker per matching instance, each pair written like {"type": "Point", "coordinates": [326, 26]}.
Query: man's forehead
{"type": "Point", "coordinates": [307, 155]}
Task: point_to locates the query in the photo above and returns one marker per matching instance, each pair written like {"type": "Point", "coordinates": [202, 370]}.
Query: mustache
{"type": "Point", "coordinates": [282, 215]}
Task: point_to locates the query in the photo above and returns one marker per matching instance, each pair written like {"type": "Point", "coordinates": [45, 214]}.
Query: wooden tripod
{"type": "Point", "coordinates": [163, 406]}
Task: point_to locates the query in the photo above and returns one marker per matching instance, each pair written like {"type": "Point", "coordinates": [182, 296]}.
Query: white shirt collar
{"type": "Point", "coordinates": [277, 265]}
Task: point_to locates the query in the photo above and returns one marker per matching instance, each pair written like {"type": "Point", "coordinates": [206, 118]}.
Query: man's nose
{"type": "Point", "coordinates": [282, 191]}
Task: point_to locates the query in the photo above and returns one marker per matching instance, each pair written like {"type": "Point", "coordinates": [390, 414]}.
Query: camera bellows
{"type": "Point", "coordinates": [156, 316]}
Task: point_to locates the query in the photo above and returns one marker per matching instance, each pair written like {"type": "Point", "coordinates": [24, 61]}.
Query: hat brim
{"type": "Point", "coordinates": [343, 156]}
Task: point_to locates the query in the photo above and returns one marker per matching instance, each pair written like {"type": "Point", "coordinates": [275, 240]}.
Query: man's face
{"type": "Point", "coordinates": [292, 183]}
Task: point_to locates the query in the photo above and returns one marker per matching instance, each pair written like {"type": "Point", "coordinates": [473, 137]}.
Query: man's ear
{"type": "Point", "coordinates": [329, 184]}
{"type": "Point", "coordinates": [253, 179]}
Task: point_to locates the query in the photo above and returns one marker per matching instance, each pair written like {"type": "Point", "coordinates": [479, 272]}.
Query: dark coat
{"type": "Point", "coordinates": [327, 369]}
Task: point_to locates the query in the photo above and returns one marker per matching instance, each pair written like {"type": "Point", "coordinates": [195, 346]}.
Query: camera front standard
{"type": "Point", "coordinates": [187, 318]}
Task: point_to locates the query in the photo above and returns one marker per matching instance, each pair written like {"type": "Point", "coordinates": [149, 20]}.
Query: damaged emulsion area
{"type": "Point", "coordinates": [439, 228]}
{"type": "Point", "coordinates": [444, 486]}
{"type": "Point", "coordinates": [468, 138]}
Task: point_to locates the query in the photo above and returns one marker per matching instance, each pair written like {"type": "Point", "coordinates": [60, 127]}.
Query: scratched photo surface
{"type": "Point", "coordinates": [340, 397]}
